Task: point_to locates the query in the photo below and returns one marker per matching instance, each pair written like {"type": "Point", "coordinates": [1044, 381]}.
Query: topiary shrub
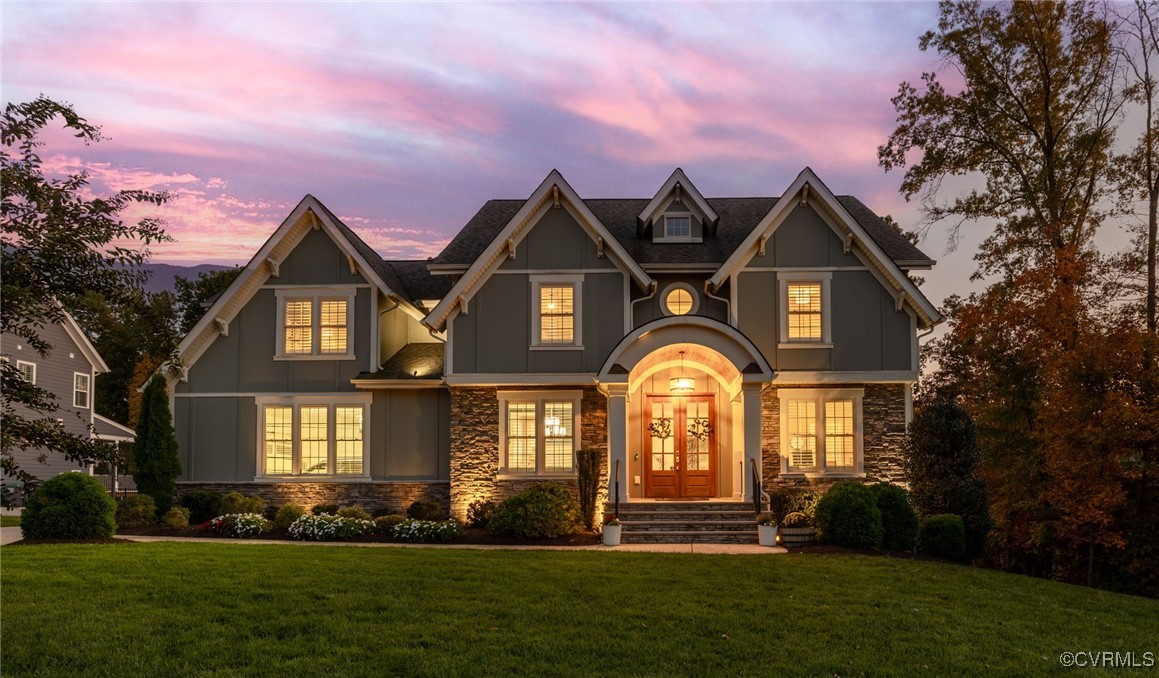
{"type": "Point", "coordinates": [848, 515]}
{"type": "Point", "coordinates": [786, 500]}
{"type": "Point", "coordinates": [587, 469]}
{"type": "Point", "coordinates": [236, 502]}
{"type": "Point", "coordinates": [943, 536]}
{"type": "Point", "coordinates": [425, 510]}
{"type": "Point", "coordinates": [899, 522]}
{"type": "Point", "coordinates": [176, 518]}
{"type": "Point", "coordinates": [287, 514]}
{"type": "Point", "coordinates": [480, 512]}
{"type": "Point", "coordinates": [203, 505]}
{"type": "Point", "coordinates": [155, 464]}
{"type": "Point", "coordinates": [356, 511]}
{"type": "Point", "coordinates": [240, 525]}
{"type": "Point", "coordinates": [427, 531]}
{"type": "Point", "coordinates": [136, 511]}
{"type": "Point", "coordinates": [543, 511]}
{"type": "Point", "coordinates": [69, 506]}
{"type": "Point", "coordinates": [386, 524]}
{"type": "Point", "coordinates": [325, 509]}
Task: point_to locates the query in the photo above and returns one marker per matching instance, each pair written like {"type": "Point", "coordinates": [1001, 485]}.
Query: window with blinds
{"type": "Point", "coordinates": [804, 311]}
{"type": "Point", "coordinates": [299, 326]}
{"type": "Point", "coordinates": [839, 435]}
{"type": "Point", "coordinates": [557, 437]}
{"type": "Point", "coordinates": [521, 437]}
{"type": "Point", "coordinates": [333, 326]}
{"type": "Point", "coordinates": [538, 431]}
{"type": "Point", "coordinates": [348, 439]}
{"type": "Point", "coordinates": [80, 390]}
{"type": "Point", "coordinates": [557, 314]}
{"type": "Point", "coordinates": [802, 423]}
{"type": "Point", "coordinates": [279, 440]}
{"type": "Point", "coordinates": [313, 440]}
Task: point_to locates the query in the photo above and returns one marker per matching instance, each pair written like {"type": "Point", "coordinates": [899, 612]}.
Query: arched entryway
{"type": "Point", "coordinates": [684, 410]}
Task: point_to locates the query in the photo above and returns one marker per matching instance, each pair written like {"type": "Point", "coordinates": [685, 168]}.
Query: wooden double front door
{"type": "Point", "coordinates": [680, 447]}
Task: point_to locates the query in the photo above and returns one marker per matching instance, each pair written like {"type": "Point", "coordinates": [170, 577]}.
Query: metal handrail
{"type": "Point", "coordinates": [759, 495]}
{"type": "Point", "coordinates": [616, 501]}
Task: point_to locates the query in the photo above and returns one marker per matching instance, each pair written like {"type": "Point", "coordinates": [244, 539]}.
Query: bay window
{"type": "Point", "coordinates": [821, 431]}
{"type": "Point", "coordinates": [538, 432]}
{"type": "Point", "coordinates": [312, 436]}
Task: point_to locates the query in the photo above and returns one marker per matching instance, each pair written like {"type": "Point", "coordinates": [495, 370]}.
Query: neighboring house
{"type": "Point", "coordinates": [68, 372]}
{"type": "Point", "coordinates": [695, 340]}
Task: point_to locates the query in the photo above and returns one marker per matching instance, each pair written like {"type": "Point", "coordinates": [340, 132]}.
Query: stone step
{"type": "Point", "coordinates": [661, 507]}
{"type": "Point", "coordinates": [634, 514]}
{"type": "Point", "coordinates": [640, 526]}
{"type": "Point", "coordinates": [688, 537]}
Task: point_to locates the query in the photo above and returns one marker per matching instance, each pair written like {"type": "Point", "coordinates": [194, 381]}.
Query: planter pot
{"type": "Point", "coordinates": [767, 535]}
{"type": "Point", "coordinates": [795, 536]}
{"type": "Point", "coordinates": [612, 535]}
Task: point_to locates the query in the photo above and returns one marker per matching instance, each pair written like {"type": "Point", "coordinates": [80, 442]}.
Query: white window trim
{"type": "Point", "coordinates": [316, 295]}
{"type": "Point", "coordinates": [826, 279]}
{"type": "Point", "coordinates": [577, 283]}
{"type": "Point", "coordinates": [682, 286]}
{"type": "Point", "coordinates": [21, 364]}
{"type": "Point", "coordinates": [820, 396]}
{"type": "Point", "coordinates": [539, 398]}
{"type": "Point", "coordinates": [661, 226]}
{"type": "Point", "coordinates": [88, 393]}
{"type": "Point", "coordinates": [297, 402]}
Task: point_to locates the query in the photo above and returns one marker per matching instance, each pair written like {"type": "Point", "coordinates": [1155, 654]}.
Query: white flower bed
{"type": "Point", "coordinates": [427, 530]}
{"type": "Point", "coordinates": [328, 528]}
{"type": "Point", "coordinates": [240, 525]}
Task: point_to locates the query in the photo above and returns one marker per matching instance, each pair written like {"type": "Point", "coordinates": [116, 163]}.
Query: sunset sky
{"type": "Point", "coordinates": [405, 118]}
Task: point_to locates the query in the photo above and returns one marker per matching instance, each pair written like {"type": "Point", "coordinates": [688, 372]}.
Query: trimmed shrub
{"type": "Point", "coordinates": [176, 518]}
{"type": "Point", "coordinates": [786, 500]}
{"type": "Point", "coordinates": [796, 519]}
{"type": "Point", "coordinates": [848, 515]}
{"type": "Point", "coordinates": [328, 528]}
{"type": "Point", "coordinates": [69, 506]}
{"type": "Point", "coordinates": [899, 522]}
{"type": "Point", "coordinates": [236, 502]}
{"type": "Point", "coordinates": [480, 513]}
{"type": "Point", "coordinates": [543, 511]}
{"type": "Point", "coordinates": [203, 505]}
{"type": "Point", "coordinates": [155, 464]}
{"type": "Point", "coordinates": [943, 536]}
{"type": "Point", "coordinates": [240, 525]}
{"type": "Point", "coordinates": [587, 468]}
{"type": "Point", "coordinates": [425, 510]}
{"type": "Point", "coordinates": [427, 531]}
{"type": "Point", "coordinates": [136, 511]}
{"type": "Point", "coordinates": [325, 509]}
{"type": "Point", "coordinates": [356, 511]}
{"type": "Point", "coordinates": [287, 514]}
{"type": "Point", "coordinates": [386, 524]}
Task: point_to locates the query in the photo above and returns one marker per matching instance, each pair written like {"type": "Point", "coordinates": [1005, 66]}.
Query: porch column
{"type": "Point", "coordinates": [751, 393]}
{"type": "Point", "coordinates": [617, 438]}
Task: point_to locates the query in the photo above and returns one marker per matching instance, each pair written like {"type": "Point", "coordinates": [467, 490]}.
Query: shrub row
{"type": "Point", "coordinates": [867, 516]}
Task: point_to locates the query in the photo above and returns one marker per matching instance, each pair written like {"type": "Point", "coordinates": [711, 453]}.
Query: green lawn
{"type": "Point", "coordinates": [9, 521]}
{"type": "Point", "coordinates": [185, 608]}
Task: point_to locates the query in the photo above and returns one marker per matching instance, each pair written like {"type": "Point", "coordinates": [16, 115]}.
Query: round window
{"type": "Point", "coordinates": [679, 301]}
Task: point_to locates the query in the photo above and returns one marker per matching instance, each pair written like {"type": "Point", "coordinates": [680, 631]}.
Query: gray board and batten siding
{"type": "Point", "coordinates": [215, 408]}
{"type": "Point", "coordinates": [869, 333]}
{"type": "Point", "coordinates": [494, 336]}
{"type": "Point", "coordinates": [55, 374]}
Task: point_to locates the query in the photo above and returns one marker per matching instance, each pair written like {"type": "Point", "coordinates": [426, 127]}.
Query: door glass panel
{"type": "Point", "coordinates": [699, 434]}
{"type": "Point", "coordinates": [661, 428]}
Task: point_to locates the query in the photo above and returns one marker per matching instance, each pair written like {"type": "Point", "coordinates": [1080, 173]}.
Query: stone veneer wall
{"type": "Point", "coordinates": [475, 445]}
{"type": "Point", "coordinates": [395, 497]}
{"type": "Point", "coordinates": [883, 421]}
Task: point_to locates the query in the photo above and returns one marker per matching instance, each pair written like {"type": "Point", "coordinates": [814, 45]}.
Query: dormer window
{"type": "Point", "coordinates": [678, 227]}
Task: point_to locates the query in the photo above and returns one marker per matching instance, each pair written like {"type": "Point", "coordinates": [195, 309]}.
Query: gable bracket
{"type": "Point", "coordinates": [274, 266]}
{"type": "Point", "coordinates": [555, 197]}
{"type": "Point", "coordinates": [849, 242]}
{"type": "Point", "coordinates": [353, 264]}
{"type": "Point", "coordinates": [222, 326]}
{"type": "Point", "coordinates": [901, 299]}
{"type": "Point", "coordinates": [463, 304]}
{"type": "Point", "coordinates": [315, 222]}
{"type": "Point", "coordinates": [761, 245]}
{"type": "Point", "coordinates": [805, 195]}
{"type": "Point", "coordinates": [600, 246]}
{"type": "Point", "coordinates": [511, 248]}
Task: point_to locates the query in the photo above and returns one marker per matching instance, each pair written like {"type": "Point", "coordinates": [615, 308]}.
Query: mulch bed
{"type": "Point", "coordinates": [470, 536]}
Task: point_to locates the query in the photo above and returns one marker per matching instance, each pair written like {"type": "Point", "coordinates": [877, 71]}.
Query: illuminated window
{"type": "Point", "coordinates": [679, 300]}
{"type": "Point", "coordinates": [27, 370]}
{"type": "Point", "coordinates": [555, 323]}
{"type": "Point", "coordinates": [308, 439]}
{"type": "Point", "coordinates": [821, 431]}
{"type": "Point", "coordinates": [315, 323]}
{"type": "Point", "coordinates": [677, 227]}
{"type": "Point", "coordinates": [805, 311]}
{"type": "Point", "coordinates": [538, 435]}
{"type": "Point", "coordinates": [80, 390]}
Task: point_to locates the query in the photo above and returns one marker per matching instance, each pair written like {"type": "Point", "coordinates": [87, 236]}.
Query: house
{"type": "Point", "coordinates": [68, 372]}
{"type": "Point", "coordinates": [705, 343]}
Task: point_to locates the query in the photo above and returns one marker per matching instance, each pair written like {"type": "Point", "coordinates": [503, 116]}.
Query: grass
{"type": "Point", "coordinates": [187, 608]}
{"type": "Point", "coordinates": [9, 521]}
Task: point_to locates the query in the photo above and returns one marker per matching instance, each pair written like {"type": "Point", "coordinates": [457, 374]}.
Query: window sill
{"type": "Point", "coordinates": [804, 344]}
{"type": "Point", "coordinates": [312, 479]}
{"type": "Point", "coordinates": [822, 474]}
{"type": "Point", "coordinates": [507, 475]}
{"type": "Point", "coordinates": [551, 347]}
{"type": "Point", "coordinates": [322, 356]}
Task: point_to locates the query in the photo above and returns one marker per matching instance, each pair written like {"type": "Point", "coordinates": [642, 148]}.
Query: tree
{"type": "Point", "coordinates": [941, 465]}
{"type": "Point", "coordinates": [192, 296]}
{"type": "Point", "coordinates": [58, 242]}
{"type": "Point", "coordinates": [155, 463]}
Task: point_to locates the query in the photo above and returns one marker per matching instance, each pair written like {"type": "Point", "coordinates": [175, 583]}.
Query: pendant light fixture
{"type": "Point", "coordinates": [682, 384]}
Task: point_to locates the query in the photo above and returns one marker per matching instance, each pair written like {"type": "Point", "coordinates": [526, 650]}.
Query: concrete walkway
{"type": "Point", "coordinates": [11, 534]}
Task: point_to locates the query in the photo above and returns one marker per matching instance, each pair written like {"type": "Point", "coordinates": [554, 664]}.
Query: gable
{"type": "Point", "coordinates": [804, 240]}
{"type": "Point", "coordinates": [317, 260]}
{"type": "Point", "coordinates": [556, 241]}
{"type": "Point", "coordinates": [677, 189]}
